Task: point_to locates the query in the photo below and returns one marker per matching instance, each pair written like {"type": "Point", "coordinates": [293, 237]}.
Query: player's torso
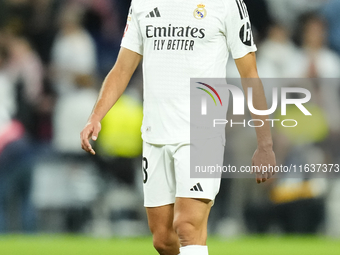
{"type": "Point", "coordinates": [179, 40]}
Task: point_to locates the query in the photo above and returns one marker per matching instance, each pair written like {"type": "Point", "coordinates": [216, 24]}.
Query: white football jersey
{"type": "Point", "coordinates": [179, 40]}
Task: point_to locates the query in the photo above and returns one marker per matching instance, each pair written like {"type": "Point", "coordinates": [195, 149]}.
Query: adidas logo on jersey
{"type": "Point", "coordinates": [154, 13]}
{"type": "Point", "coordinates": [197, 187]}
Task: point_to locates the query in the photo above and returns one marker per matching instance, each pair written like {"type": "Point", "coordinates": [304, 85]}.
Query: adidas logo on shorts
{"type": "Point", "coordinates": [197, 187]}
{"type": "Point", "coordinates": [154, 13]}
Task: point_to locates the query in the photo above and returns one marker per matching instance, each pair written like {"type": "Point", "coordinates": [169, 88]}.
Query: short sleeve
{"type": "Point", "coordinates": [238, 29]}
{"type": "Point", "coordinates": [132, 38]}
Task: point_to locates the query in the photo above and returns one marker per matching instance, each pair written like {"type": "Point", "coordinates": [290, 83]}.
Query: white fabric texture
{"type": "Point", "coordinates": [194, 250]}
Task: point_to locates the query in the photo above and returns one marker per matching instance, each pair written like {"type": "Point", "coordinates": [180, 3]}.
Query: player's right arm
{"type": "Point", "coordinates": [113, 87]}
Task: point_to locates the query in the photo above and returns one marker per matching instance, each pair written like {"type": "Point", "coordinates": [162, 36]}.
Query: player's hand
{"type": "Point", "coordinates": [90, 131]}
{"type": "Point", "coordinates": [264, 157]}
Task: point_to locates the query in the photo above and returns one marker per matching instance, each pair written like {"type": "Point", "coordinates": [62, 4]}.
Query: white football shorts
{"type": "Point", "coordinates": [166, 171]}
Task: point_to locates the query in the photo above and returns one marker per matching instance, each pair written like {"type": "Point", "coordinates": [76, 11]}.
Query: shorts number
{"type": "Point", "coordinates": [145, 167]}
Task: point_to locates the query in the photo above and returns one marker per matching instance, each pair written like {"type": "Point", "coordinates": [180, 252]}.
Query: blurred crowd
{"type": "Point", "coordinates": [54, 55]}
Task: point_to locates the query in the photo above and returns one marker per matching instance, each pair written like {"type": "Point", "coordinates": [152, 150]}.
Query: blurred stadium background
{"type": "Point", "coordinates": [55, 199]}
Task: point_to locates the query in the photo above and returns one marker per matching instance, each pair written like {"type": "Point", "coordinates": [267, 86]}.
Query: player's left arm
{"type": "Point", "coordinates": [264, 154]}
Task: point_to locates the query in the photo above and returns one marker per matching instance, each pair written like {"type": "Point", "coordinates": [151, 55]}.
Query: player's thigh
{"type": "Point", "coordinates": [160, 218]}
{"type": "Point", "coordinates": [191, 220]}
{"type": "Point", "coordinates": [192, 210]}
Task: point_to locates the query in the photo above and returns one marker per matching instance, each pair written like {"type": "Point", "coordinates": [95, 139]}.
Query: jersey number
{"type": "Point", "coordinates": [145, 167]}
